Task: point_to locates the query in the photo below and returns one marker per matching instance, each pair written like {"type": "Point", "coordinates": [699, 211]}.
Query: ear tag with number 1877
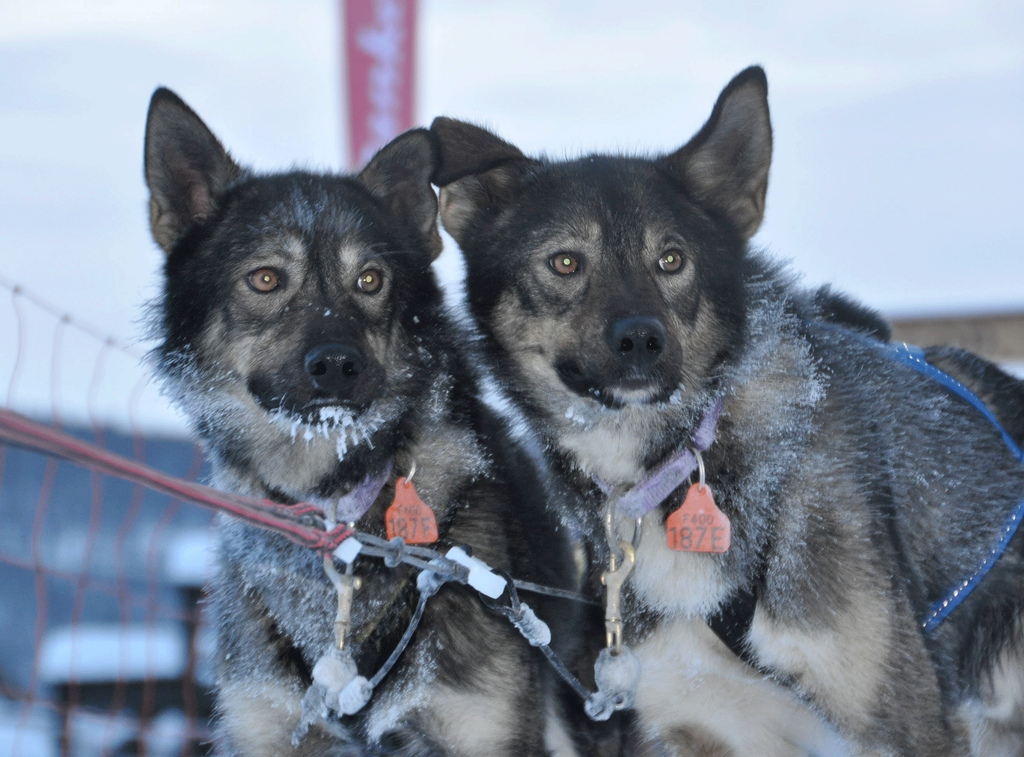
{"type": "Point", "coordinates": [409, 517]}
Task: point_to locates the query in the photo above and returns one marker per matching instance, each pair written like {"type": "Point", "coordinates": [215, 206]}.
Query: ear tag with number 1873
{"type": "Point", "coordinates": [409, 517]}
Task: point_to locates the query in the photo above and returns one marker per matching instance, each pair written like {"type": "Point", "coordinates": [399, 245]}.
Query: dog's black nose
{"type": "Point", "coordinates": [637, 340]}
{"type": "Point", "coordinates": [335, 367]}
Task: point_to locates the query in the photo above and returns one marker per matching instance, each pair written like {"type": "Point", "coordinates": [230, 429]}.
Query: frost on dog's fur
{"type": "Point", "coordinates": [618, 300]}
{"type": "Point", "coordinates": [303, 334]}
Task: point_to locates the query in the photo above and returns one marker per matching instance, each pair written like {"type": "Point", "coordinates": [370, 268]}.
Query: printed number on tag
{"type": "Point", "coordinates": [409, 516]}
{"type": "Point", "coordinates": [698, 525]}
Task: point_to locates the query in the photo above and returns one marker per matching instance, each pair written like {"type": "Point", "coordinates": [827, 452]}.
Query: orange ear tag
{"type": "Point", "coordinates": [409, 517]}
{"type": "Point", "coordinates": [698, 525]}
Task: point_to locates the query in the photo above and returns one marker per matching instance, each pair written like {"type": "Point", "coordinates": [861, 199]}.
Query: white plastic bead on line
{"type": "Point", "coordinates": [340, 689]}
{"type": "Point", "coordinates": [348, 550]}
{"type": "Point", "coordinates": [532, 628]}
{"type": "Point", "coordinates": [481, 577]}
{"type": "Point", "coordinates": [337, 685]}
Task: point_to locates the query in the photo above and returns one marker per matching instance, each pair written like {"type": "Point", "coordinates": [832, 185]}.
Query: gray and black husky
{"type": "Point", "coordinates": [303, 335]}
{"type": "Point", "coordinates": [626, 316]}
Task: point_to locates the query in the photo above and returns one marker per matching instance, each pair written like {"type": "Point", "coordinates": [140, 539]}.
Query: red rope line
{"type": "Point", "coordinates": [299, 523]}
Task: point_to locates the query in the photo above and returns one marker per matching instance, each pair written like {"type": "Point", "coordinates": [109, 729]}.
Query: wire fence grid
{"type": "Point", "coordinates": [104, 648]}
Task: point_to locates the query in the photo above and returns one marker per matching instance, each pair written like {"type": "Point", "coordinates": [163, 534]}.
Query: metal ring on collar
{"type": "Point", "coordinates": [700, 467]}
{"type": "Point", "coordinates": [612, 536]}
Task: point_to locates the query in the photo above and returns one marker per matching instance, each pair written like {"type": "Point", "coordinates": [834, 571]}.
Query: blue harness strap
{"type": "Point", "coordinates": [914, 357]}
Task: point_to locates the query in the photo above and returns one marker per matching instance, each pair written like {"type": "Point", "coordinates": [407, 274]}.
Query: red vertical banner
{"type": "Point", "coordinates": [380, 51]}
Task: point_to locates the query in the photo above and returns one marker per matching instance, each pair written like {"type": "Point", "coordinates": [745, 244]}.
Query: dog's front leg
{"type": "Point", "coordinates": [467, 686]}
{"type": "Point", "coordinates": [696, 698]}
{"type": "Point", "coordinates": [261, 681]}
{"type": "Point", "coordinates": [995, 719]}
{"type": "Point", "coordinates": [450, 723]}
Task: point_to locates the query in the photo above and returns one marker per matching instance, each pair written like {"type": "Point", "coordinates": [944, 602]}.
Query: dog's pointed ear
{"type": "Point", "coordinates": [726, 164]}
{"type": "Point", "coordinates": [476, 171]}
{"type": "Point", "coordinates": [186, 168]}
{"type": "Point", "coordinates": [399, 176]}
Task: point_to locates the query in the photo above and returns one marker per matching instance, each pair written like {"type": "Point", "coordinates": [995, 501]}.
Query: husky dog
{"type": "Point", "coordinates": [627, 318]}
{"type": "Point", "coordinates": [303, 335]}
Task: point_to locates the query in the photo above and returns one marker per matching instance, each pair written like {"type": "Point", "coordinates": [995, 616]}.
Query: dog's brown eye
{"type": "Point", "coordinates": [563, 263]}
{"type": "Point", "coordinates": [264, 280]}
{"type": "Point", "coordinates": [369, 281]}
{"type": "Point", "coordinates": [671, 261]}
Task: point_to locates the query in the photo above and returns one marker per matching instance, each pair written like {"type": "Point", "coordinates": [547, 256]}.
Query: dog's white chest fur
{"type": "Point", "coordinates": [609, 451]}
{"type": "Point", "coordinates": [675, 584]}
{"type": "Point", "coordinates": [612, 444]}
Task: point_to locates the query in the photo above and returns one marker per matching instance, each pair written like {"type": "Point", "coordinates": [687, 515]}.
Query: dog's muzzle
{"type": "Point", "coordinates": [335, 368]}
{"type": "Point", "coordinates": [637, 341]}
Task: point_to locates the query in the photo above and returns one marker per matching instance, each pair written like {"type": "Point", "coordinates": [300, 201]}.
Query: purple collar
{"type": "Point", "coordinates": [354, 505]}
{"type": "Point", "coordinates": [653, 488]}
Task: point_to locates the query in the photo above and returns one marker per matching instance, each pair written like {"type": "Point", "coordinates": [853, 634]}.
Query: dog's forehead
{"type": "Point", "coordinates": [329, 227]}
{"type": "Point", "coordinates": [602, 201]}
{"type": "Point", "coordinates": [307, 218]}
{"type": "Point", "coordinates": [305, 202]}
{"type": "Point", "coordinates": [612, 182]}
{"type": "Point", "coordinates": [342, 251]}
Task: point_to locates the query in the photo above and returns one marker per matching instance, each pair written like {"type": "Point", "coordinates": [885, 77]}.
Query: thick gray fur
{"type": "Point", "coordinates": [247, 366]}
{"type": "Point", "coordinates": [859, 491]}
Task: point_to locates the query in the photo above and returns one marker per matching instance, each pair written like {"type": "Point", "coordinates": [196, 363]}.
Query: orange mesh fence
{"type": "Point", "coordinates": [104, 650]}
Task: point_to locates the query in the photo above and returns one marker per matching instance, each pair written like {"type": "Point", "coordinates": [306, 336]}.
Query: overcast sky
{"type": "Point", "coordinates": [899, 137]}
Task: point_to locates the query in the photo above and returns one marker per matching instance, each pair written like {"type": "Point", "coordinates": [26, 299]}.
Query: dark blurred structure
{"type": "Point", "coordinates": [999, 337]}
{"type": "Point", "coordinates": [100, 585]}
